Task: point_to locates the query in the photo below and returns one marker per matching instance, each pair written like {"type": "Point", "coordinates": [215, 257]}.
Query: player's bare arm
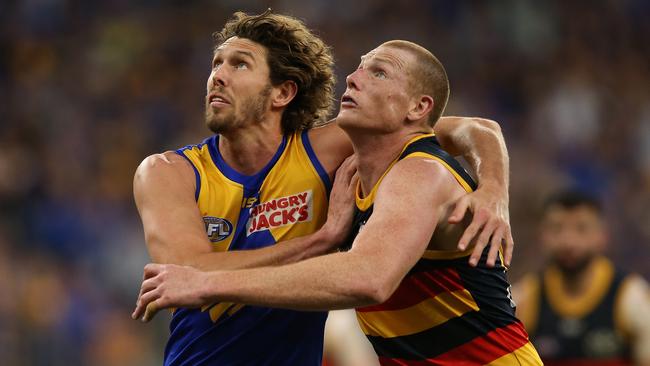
{"type": "Point", "coordinates": [633, 314]}
{"type": "Point", "coordinates": [368, 274]}
{"type": "Point", "coordinates": [164, 187]}
{"type": "Point", "coordinates": [482, 144]}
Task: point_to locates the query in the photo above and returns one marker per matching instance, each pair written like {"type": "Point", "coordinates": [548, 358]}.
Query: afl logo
{"type": "Point", "coordinates": [217, 228]}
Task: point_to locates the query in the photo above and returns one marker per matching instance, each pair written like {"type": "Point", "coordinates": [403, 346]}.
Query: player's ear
{"type": "Point", "coordinates": [420, 107]}
{"type": "Point", "coordinates": [283, 94]}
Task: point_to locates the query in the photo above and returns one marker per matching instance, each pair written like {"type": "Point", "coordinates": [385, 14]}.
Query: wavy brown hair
{"type": "Point", "coordinates": [293, 53]}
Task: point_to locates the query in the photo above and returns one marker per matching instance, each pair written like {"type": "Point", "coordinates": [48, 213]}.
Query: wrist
{"type": "Point", "coordinates": [210, 287]}
{"type": "Point", "coordinates": [328, 237]}
{"type": "Point", "coordinates": [493, 186]}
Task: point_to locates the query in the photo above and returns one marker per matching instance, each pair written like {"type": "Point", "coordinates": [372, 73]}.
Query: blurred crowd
{"type": "Point", "coordinates": [89, 88]}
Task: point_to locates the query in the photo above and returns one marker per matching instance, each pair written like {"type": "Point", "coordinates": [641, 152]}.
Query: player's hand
{"type": "Point", "coordinates": [341, 202]}
{"type": "Point", "coordinates": [166, 286]}
{"type": "Point", "coordinates": [490, 224]}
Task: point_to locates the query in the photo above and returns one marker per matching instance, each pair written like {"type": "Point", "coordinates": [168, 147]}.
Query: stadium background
{"type": "Point", "coordinates": [88, 89]}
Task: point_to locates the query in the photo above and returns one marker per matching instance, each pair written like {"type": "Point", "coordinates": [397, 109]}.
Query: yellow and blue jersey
{"type": "Point", "coordinates": [285, 200]}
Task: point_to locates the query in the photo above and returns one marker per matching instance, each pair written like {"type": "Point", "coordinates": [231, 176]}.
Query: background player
{"type": "Point", "coordinates": [582, 310]}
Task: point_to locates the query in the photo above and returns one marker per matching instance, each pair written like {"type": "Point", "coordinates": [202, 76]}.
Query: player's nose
{"type": "Point", "coordinates": [352, 81]}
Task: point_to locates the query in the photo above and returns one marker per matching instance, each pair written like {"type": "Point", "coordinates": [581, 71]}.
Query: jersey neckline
{"type": "Point", "coordinates": [248, 181]}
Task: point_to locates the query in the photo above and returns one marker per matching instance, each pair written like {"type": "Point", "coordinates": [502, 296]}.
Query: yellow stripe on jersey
{"type": "Point", "coordinates": [218, 310]}
{"type": "Point", "coordinates": [460, 179]}
{"type": "Point", "coordinates": [422, 316]}
{"type": "Point", "coordinates": [524, 355]}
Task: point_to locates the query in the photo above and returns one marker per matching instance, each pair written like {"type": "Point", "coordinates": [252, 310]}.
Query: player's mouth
{"type": "Point", "coordinates": [348, 102]}
{"type": "Point", "coordinates": [217, 100]}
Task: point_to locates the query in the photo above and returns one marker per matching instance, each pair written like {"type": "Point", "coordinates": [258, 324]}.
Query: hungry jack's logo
{"type": "Point", "coordinates": [280, 212]}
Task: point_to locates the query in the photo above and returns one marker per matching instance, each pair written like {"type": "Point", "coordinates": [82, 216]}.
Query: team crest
{"type": "Point", "coordinates": [217, 228]}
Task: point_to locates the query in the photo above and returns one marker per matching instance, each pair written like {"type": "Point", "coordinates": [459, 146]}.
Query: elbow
{"type": "Point", "coordinates": [481, 124]}
{"type": "Point", "coordinates": [376, 290]}
{"type": "Point", "coordinates": [490, 124]}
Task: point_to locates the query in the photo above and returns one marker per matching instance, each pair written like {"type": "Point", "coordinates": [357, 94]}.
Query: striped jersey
{"type": "Point", "coordinates": [285, 200]}
{"type": "Point", "coordinates": [444, 312]}
{"type": "Point", "coordinates": [578, 331]}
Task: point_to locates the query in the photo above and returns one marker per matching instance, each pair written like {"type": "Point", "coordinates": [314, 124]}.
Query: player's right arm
{"type": "Point", "coordinates": [164, 187]}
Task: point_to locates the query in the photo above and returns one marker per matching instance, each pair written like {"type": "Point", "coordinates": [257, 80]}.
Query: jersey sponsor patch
{"type": "Point", "coordinates": [217, 228]}
{"type": "Point", "coordinates": [280, 212]}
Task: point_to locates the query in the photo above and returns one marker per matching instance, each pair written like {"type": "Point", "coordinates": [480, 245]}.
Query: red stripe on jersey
{"type": "Point", "coordinates": [480, 351]}
{"type": "Point", "coordinates": [419, 287]}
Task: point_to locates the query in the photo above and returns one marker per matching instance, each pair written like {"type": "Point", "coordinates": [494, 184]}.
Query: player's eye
{"type": "Point", "coordinates": [241, 66]}
{"type": "Point", "coordinates": [379, 74]}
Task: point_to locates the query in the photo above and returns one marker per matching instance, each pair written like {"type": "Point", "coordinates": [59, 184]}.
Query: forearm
{"type": "Point", "coordinates": [284, 252]}
{"type": "Point", "coordinates": [481, 143]}
{"type": "Point", "coordinates": [322, 283]}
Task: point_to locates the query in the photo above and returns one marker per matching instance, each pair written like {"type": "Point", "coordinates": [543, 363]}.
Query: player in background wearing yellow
{"type": "Point", "coordinates": [418, 299]}
{"type": "Point", "coordinates": [581, 309]}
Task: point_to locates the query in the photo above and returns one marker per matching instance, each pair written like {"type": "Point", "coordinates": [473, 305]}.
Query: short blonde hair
{"type": "Point", "coordinates": [427, 76]}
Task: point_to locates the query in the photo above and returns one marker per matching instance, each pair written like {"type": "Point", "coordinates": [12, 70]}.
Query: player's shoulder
{"type": "Point", "coordinates": [163, 166]}
{"type": "Point", "coordinates": [634, 284]}
{"type": "Point", "coordinates": [417, 175]}
{"type": "Point", "coordinates": [161, 161]}
{"type": "Point", "coordinates": [330, 144]}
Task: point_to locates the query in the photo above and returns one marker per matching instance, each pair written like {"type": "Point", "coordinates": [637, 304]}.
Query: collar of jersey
{"type": "Point", "coordinates": [363, 203]}
{"type": "Point", "coordinates": [580, 306]}
{"type": "Point", "coordinates": [248, 181]}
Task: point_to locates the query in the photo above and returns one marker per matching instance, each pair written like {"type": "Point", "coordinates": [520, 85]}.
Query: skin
{"type": "Point", "coordinates": [572, 238]}
{"type": "Point", "coordinates": [382, 253]}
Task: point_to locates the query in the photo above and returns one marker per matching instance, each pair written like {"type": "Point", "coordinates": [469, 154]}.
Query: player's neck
{"type": "Point", "coordinates": [375, 153]}
{"type": "Point", "coordinates": [248, 150]}
{"type": "Point", "coordinates": [577, 283]}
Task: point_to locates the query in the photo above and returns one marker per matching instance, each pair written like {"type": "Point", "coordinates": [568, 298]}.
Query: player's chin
{"type": "Point", "coordinates": [217, 122]}
{"type": "Point", "coordinates": [347, 118]}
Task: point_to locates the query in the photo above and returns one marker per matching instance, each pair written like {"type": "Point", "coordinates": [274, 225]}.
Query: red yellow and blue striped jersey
{"type": "Point", "coordinates": [285, 200]}
{"type": "Point", "coordinates": [444, 312]}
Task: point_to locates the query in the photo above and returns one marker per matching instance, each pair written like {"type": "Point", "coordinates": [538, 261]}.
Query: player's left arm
{"type": "Point", "coordinates": [481, 143]}
{"type": "Point", "coordinates": [633, 315]}
{"type": "Point", "coordinates": [411, 199]}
